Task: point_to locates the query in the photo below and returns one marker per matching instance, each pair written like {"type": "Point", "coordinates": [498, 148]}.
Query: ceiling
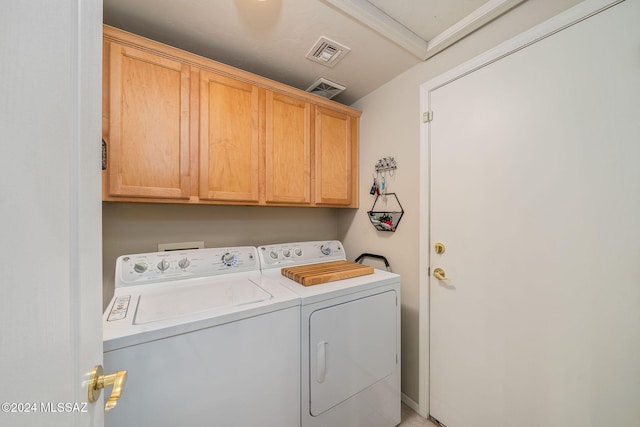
{"type": "Point", "coordinates": [272, 37]}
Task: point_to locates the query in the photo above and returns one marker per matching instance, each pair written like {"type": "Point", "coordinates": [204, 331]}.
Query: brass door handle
{"type": "Point", "coordinates": [439, 274]}
{"type": "Point", "coordinates": [98, 381]}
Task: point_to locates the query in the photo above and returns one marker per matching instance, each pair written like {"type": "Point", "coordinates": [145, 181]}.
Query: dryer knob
{"type": "Point", "coordinates": [298, 252]}
{"type": "Point", "coordinates": [163, 265]}
{"type": "Point", "coordinates": [325, 249]}
{"type": "Point", "coordinates": [286, 253]}
{"type": "Point", "coordinates": [273, 255]}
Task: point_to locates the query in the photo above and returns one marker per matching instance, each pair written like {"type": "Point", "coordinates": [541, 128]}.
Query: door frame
{"type": "Point", "coordinates": [556, 24]}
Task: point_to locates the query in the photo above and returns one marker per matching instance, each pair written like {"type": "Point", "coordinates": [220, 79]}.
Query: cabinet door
{"type": "Point", "coordinates": [229, 139]}
{"type": "Point", "coordinates": [335, 157]}
{"type": "Point", "coordinates": [288, 149]}
{"type": "Point", "coordinates": [148, 132]}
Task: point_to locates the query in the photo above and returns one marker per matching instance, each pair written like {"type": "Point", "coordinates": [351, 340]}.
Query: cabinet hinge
{"type": "Point", "coordinates": [427, 116]}
{"type": "Point", "coordinates": [104, 155]}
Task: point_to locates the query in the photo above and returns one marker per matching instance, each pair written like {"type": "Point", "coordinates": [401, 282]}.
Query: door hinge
{"type": "Point", "coordinates": [427, 116]}
{"type": "Point", "coordinates": [104, 155]}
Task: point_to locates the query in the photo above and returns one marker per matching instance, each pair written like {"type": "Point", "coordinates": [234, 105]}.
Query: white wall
{"type": "Point", "coordinates": [129, 228]}
{"type": "Point", "coordinates": [390, 126]}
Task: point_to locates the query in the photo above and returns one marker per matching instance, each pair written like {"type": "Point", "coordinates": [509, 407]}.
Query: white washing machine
{"type": "Point", "coordinates": [205, 341]}
{"type": "Point", "coordinates": [350, 339]}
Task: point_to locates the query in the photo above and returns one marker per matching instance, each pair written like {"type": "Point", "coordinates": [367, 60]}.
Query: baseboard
{"type": "Point", "coordinates": [410, 403]}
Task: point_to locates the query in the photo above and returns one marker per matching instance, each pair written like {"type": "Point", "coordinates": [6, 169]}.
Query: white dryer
{"type": "Point", "coordinates": [350, 339]}
{"type": "Point", "coordinates": [204, 340]}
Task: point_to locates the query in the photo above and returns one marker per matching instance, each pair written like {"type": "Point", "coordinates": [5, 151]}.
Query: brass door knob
{"type": "Point", "coordinates": [98, 381]}
{"type": "Point", "coordinates": [440, 274]}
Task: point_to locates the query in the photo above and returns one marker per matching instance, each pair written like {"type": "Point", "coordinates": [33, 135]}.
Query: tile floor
{"type": "Point", "coordinates": [409, 418]}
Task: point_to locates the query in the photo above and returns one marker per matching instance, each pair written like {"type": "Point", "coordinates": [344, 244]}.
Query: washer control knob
{"type": "Point", "coordinates": [229, 259]}
{"type": "Point", "coordinates": [298, 251]}
{"type": "Point", "coordinates": [286, 253]}
{"type": "Point", "coordinates": [184, 263]}
{"type": "Point", "coordinates": [273, 254]}
{"type": "Point", "coordinates": [140, 267]}
{"type": "Point", "coordinates": [325, 249]}
{"type": "Point", "coordinates": [163, 265]}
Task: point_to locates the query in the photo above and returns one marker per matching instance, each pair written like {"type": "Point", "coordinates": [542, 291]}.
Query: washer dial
{"type": "Point", "coordinates": [163, 265]}
{"type": "Point", "coordinates": [229, 259]}
{"type": "Point", "coordinates": [325, 249]}
{"type": "Point", "coordinates": [140, 267]}
{"type": "Point", "coordinates": [184, 263]}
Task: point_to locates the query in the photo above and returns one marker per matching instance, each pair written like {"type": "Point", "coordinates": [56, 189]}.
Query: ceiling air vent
{"type": "Point", "coordinates": [325, 88]}
{"type": "Point", "coordinates": [327, 52]}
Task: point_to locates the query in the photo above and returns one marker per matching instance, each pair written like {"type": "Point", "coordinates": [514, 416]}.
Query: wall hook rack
{"type": "Point", "coordinates": [386, 164]}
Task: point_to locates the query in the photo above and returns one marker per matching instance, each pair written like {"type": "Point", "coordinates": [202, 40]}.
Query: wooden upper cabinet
{"type": "Point", "coordinates": [288, 149]}
{"type": "Point", "coordinates": [336, 153]}
{"type": "Point", "coordinates": [229, 139]}
{"type": "Point", "coordinates": [148, 124]}
{"type": "Point", "coordinates": [181, 128]}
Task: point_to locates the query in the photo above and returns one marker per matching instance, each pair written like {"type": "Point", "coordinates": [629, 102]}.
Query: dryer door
{"type": "Point", "coordinates": [352, 346]}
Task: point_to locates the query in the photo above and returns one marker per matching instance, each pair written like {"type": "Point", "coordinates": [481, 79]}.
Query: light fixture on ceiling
{"type": "Point", "coordinates": [327, 52]}
{"type": "Point", "coordinates": [325, 88]}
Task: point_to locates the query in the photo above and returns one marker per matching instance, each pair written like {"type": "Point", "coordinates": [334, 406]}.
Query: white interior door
{"type": "Point", "coordinates": [50, 256]}
{"type": "Point", "coordinates": [535, 193]}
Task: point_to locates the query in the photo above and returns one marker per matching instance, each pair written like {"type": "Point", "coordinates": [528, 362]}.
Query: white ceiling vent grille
{"type": "Point", "coordinates": [327, 52]}
{"type": "Point", "coordinates": [325, 88]}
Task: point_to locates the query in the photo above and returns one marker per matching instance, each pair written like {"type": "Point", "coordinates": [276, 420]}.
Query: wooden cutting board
{"type": "Point", "coordinates": [314, 274]}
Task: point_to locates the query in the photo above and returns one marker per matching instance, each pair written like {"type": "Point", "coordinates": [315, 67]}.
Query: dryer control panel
{"type": "Point", "coordinates": [156, 267]}
{"type": "Point", "coordinates": [300, 253]}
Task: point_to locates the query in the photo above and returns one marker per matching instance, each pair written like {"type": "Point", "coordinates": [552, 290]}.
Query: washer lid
{"type": "Point", "coordinates": [185, 300]}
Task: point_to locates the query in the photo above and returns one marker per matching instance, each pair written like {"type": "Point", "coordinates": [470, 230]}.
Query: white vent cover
{"type": "Point", "coordinates": [327, 52]}
{"type": "Point", "coordinates": [325, 88]}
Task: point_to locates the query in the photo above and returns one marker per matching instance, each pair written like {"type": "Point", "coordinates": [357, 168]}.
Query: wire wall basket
{"type": "Point", "coordinates": [388, 213]}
